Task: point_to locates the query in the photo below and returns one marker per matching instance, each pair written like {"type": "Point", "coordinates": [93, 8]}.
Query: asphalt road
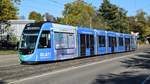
{"type": "Point", "coordinates": [130, 69]}
{"type": "Point", "coordinates": [8, 60]}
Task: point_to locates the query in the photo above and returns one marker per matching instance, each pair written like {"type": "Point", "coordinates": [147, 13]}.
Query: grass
{"type": "Point", "coordinates": [7, 52]}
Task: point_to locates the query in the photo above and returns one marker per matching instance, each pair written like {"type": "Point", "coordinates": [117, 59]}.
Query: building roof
{"type": "Point", "coordinates": [21, 21]}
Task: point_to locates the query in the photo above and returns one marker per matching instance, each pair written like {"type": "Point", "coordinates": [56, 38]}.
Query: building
{"type": "Point", "coordinates": [16, 27]}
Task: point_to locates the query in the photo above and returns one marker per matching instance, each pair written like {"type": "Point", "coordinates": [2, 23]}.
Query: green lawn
{"type": "Point", "coordinates": [7, 52]}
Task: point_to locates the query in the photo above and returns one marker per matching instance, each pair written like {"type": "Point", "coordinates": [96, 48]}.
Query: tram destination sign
{"type": "Point", "coordinates": [32, 28]}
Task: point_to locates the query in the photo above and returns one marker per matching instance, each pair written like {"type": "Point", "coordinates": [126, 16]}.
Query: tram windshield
{"type": "Point", "coordinates": [28, 39]}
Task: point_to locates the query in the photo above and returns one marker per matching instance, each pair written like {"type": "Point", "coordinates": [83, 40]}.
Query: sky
{"type": "Point", "coordinates": [55, 7]}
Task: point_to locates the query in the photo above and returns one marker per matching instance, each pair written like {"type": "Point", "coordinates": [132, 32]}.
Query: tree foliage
{"type": "Point", "coordinates": [8, 10]}
{"type": "Point", "coordinates": [113, 16]}
{"type": "Point", "coordinates": [35, 16]}
{"type": "Point", "coordinates": [16, 1]}
{"type": "Point", "coordinates": [49, 17]}
{"type": "Point", "coordinates": [140, 23]}
{"type": "Point", "coordinates": [78, 13]}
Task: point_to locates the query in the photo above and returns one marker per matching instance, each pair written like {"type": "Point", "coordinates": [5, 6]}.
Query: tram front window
{"type": "Point", "coordinates": [28, 40]}
{"type": "Point", "coordinates": [28, 43]}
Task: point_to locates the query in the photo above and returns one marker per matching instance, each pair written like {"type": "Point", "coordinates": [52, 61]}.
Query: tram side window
{"type": "Point", "coordinates": [64, 40]}
{"type": "Point", "coordinates": [112, 41]}
{"type": "Point", "coordinates": [115, 41]}
{"type": "Point", "coordinates": [87, 41]}
{"type": "Point", "coordinates": [101, 41]}
{"type": "Point", "coordinates": [120, 41]}
{"type": "Point", "coordinates": [127, 41]}
{"type": "Point", "coordinates": [82, 38]}
{"type": "Point", "coordinates": [44, 41]}
{"type": "Point", "coordinates": [71, 41]}
{"type": "Point", "coordinates": [91, 41]}
{"type": "Point", "coordinates": [132, 40]}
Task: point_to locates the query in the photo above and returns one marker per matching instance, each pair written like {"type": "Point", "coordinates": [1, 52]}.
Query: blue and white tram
{"type": "Point", "coordinates": [46, 41]}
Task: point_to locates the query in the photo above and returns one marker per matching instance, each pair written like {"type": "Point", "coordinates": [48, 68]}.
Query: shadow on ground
{"type": "Point", "coordinates": [122, 78]}
{"type": "Point", "coordinates": [142, 61]}
{"type": "Point", "coordinates": [2, 82]}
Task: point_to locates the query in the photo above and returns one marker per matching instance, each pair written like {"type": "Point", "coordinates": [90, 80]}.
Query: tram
{"type": "Point", "coordinates": [46, 41]}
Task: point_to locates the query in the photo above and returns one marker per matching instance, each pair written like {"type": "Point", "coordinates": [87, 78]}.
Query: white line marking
{"type": "Point", "coordinates": [68, 69]}
{"type": "Point", "coordinates": [148, 78]}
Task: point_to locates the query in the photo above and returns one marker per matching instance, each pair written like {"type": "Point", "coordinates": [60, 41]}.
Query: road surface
{"type": "Point", "coordinates": [130, 69]}
{"type": "Point", "coordinates": [9, 60]}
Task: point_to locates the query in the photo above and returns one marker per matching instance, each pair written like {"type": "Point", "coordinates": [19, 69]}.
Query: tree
{"type": "Point", "coordinates": [8, 10]}
{"type": "Point", "coordinates": [98, 23]}
{"type": "Point", "coordinates": [49, 17]}
{"type": "Point", "coordinates": [16, 1]}
{"type": "Point", "coordinates": [78, 13]}
{"type": "Point", "coordinates": [140, 23]}
{"type": "Point", "coordinates": [113, 16]}
{"type": "Point", "coordinates": [59, 20]}
{"type": "Point", "coordinates": [35, 16]}
{"type": "Point", "coordinates": [22, 17]}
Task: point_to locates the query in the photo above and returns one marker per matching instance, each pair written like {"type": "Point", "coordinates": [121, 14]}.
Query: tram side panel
{"type": "Point", "coordinates": [112, 42]}
{"type": "Point", "coordinates": [127, 38]}
{"type": "Point", "coordinates": [101, 42]}
{"type": "Point", "coordinates": [120, 42]}
{"type": "Point", "coordinates": [133, 42]}
{"type": "Point", "coordinates": [65, 46]}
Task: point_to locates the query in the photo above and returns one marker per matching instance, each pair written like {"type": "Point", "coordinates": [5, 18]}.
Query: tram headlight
{"type": "Point", "coordinates": [26, 51]}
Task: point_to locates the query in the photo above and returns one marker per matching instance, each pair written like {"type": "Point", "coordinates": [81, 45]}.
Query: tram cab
{"type": "Point", "coordinates": [47, 42]}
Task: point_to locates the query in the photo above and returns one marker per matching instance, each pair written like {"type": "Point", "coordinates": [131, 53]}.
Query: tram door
{"type": "Point", "coordinates": [112, 43]}
{"type": "Point", "coordinates": [92, 44]}
{"type": "Point", "coordinates": [127, 44]}
{"type": "Point", "coordinates": [82, 45]}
